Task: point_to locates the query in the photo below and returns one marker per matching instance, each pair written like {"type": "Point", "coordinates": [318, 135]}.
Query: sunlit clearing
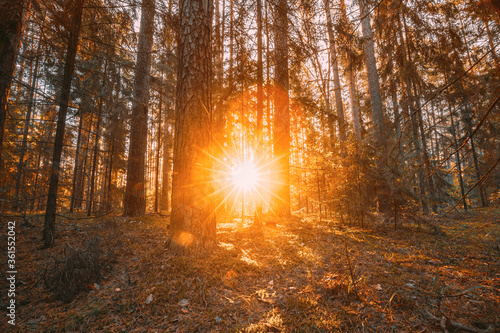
{"type": "Point", "coordinates": [245, 176]}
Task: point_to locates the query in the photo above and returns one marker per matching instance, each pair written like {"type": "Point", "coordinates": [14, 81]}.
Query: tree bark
{"type": "Point", "coordinates": [260, 107]}
{"type": "Point", "coordinates": [281, 137]}
{"type": "Point", "coordinates": [193, 225]}
{"type": "Point", "coordinates": [69, 65]}
{"type": "Point", "coordinates": [336, 77]}
{"type": "Point", "coordinates": [134, 203]}
{"type": "Point", "coordinates": [351, 77]}
{"type": "Point", "coordinates": [11, 27]}
{"type": "Point", "coordinates": [376, 107]}
{"type": "Point", "coordinates": [373, 78]}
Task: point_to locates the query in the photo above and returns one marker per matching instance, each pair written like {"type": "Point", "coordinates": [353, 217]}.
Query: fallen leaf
{"type": "Point", "coordinates": [184, 302]}
{"type": "Point", "coordinates": [378, 287]}
{"type": "Point", "coordinates": [149, 299]}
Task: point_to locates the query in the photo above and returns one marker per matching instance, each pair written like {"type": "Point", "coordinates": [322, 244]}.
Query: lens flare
{"type": "Point", "coordinates": [245, 176]}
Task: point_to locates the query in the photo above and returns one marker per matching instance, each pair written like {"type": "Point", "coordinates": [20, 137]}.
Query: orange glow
{"type": "Point", "coordinates": [245, 176]}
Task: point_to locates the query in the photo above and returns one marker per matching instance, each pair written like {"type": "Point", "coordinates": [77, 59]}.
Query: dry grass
{"type": "Point", "coordinates": [291, 277]}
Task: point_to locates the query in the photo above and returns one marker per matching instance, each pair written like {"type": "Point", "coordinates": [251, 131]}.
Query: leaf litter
{"type": "Point", "coordinates": [298, 275]}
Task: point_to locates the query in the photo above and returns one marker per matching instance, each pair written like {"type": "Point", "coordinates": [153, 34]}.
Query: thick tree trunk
{"type": "Point", "coordinates": [11, 27]}
{"type": "Point", "coordinates": [281, 137]}
{"type": "Point", "coordinates": [193, 225]}
{"type": "Point", "coordinates": [260, 107]}
{"type": "Point", "coordinates": [69, 65]}
{"type": "Point", "coordinates": [134, 203]}
{"type": "Point", "coordinates": [336, 77]}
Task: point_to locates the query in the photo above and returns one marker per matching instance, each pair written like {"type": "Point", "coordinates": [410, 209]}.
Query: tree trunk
{"type": "Point", "coordinates": [459, 163]}
{"type": "Point", "coordinates": [134, 203]}
{"type": "Point", "coordinates": [77, 157]}
{"type": "Point", "coordinates": [11, 27]}
{"type": "Point", "coordinates": [467, 121]}
{"type": "Point", "coordinates": [411, 100]}
{"type": "Point", "coordinates": [82, 169]}
{"type": "Point", "coordinates": [268, 80]}
{"type": "Point", "coordinates": [336, 78]}
{"type": "Point", "coordinates": [20, 165]}
{"type": "Point", "coordinates": [107, 198]}
{"type": "Point", "coordinates": [384, 203]}
{"type": "Point", "coordinates": [92, 179]}
{"type": "Point", "coordinates": [356, 123]}
{"type": "Point", "coordinates": [397, 122]}
{"type": "Point", "coordinates": [158, 146]}
{"type": "Point", "coordinates": [165, 192]}
{"type": "Point", "coordinates": [281, 137]}
{"type": "Point", "coordinates": [193, 225]}
{"type": "Point", "coordinates": [260, 108]}
{"type": "Point", "coordinates": [373, 78]}
{"type": "Point", "coordinates": [69, 65]}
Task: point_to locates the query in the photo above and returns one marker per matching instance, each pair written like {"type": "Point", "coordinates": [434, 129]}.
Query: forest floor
{"type": "Point", "coordinates": [297, 275]}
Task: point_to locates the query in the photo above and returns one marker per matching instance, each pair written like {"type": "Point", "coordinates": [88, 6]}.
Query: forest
{"type": "Point", "coordinates": [250, 166]}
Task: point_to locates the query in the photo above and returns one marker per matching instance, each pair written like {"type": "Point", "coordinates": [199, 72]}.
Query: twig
{"type": "Point", "coordinates": [447, 324]}
{"type": "Point", "coordinates": [353, 277]}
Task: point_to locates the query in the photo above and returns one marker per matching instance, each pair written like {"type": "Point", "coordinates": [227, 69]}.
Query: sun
{"type": "Point", "coordinates": [245, 176]}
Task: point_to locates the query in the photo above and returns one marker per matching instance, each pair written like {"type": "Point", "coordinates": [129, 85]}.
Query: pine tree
{"type": "Point", "coordinates": [11, 26]}
{"type": "Point", "coordinates": [192, 219]}
{"type": "Point", "coordinates": [134, 203]}
{"type": "Point", "coordinates": [76, 8]}
{"type": "Point", "coordinates": [281, 130]}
